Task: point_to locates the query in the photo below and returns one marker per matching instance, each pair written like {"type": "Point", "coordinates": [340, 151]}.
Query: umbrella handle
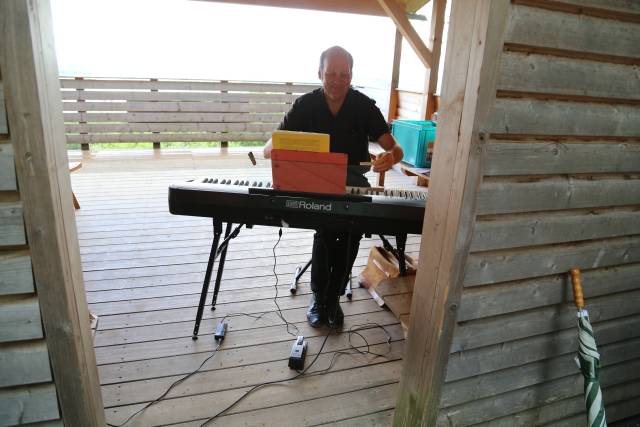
{"type": "Point", "coordinates": [578, 296]}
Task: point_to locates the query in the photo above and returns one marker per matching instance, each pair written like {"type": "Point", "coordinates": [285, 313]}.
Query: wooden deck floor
{"type": "Point", "coordinates": [143, 270]}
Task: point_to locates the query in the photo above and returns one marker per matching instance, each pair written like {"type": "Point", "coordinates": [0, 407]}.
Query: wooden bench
{"type": "Point", "coordinates": [423, 177]}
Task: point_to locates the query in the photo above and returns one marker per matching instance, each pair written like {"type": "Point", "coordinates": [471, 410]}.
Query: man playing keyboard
{"type": "Point", "coordinates": [352, 120]}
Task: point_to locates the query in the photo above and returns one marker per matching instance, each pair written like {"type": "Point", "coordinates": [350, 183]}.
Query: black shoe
{"type": "Point", "coordinates": [335, 316]}
{"type": "Point", "coordinates": [315, 314]}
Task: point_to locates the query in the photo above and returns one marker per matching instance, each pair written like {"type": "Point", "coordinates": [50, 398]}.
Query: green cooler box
{"type": "Point", "coordinates": [414, 136]}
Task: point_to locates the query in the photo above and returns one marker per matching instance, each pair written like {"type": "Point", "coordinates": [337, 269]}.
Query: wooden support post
{"type": "Point", "coordinates": [30, 78]}
{"type": "Point", "coordinates": [156, 145]}
{"type": "Point", "coordinates": [435, 44]}
{"type": "Point", "coordinates": [475, 45]}
{"type": "Point", "coordinates": [395, 76]}
{"type": "Point", "coordinates": [224, 144]}
{"type": "Point", "coordinates": [83, 146]}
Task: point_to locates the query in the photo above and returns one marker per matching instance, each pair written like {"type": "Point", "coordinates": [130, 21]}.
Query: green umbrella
{"type": "Point", "coordinates": [588, 358]}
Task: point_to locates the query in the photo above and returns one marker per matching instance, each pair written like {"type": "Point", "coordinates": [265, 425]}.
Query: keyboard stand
{"type": "Point", "coordinates": [217, 249]}
{"type": "Point", "coordinates": [220, 249]}
{"type": "Point", "coordinates": [223, 257]}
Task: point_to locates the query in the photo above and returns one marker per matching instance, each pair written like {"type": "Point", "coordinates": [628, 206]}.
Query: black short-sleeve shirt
{"type": "Point", "coordinates": [358, 122]}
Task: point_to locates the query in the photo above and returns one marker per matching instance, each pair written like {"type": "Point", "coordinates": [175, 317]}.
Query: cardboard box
{"type": "Point", "coordinates": [309, 171]}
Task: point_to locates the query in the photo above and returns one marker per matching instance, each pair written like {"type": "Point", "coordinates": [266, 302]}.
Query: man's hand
{"type": "Point", "coordinates": [266, 150]}
{"type": "Point", "coordinates": [383, 162]}
{"type": "Point", "coordinates": [393, 153]}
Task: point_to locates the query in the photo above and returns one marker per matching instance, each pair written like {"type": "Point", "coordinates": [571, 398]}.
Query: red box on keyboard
{"type": "Point", "coordinates": [309, 171]}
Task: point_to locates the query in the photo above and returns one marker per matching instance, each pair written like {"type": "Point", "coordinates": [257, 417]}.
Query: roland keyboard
{"type": "Point", "coordinates": [360, 209]}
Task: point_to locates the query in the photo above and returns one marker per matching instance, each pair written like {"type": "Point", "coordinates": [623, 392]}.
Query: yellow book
{"type": "Point", "coordinates": [300, 141]}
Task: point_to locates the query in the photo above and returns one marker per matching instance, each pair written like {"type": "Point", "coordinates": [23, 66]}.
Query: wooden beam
{"type": "Point", "coordinates": [435, 44]}
{"type": "Point", "coordinates": [395, 77]}
{"type": "Point", "coordinates": [362, 7]}
{"type": "Point", "coordinates": [475, 43]}
{"type": "Point", "coordinates": [30, 78]}
{"type": "Point", "coordinates": [397, 13]}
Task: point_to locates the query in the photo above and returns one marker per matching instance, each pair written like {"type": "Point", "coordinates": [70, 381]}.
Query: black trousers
{"type": "Point", "coordinates": [329, 264]}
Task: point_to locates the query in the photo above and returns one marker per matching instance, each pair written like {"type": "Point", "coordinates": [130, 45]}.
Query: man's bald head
{"type": "Point", "coordinates": [335, 50]}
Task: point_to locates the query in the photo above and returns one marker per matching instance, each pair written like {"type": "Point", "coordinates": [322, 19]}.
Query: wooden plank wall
{"type": "Point", "coordinates": [560, 189]}
{"type": "Point", "coordinates": [27, 392]}
{"type": "Point", "coordinates": [4, 129]}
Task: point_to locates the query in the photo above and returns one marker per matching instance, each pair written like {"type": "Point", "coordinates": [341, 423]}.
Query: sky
{"type": "Point", "coordinates": [207, 40]}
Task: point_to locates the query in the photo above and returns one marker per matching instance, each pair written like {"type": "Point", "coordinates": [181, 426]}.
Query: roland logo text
{"type": "Point", "coordinates": [308, 205]}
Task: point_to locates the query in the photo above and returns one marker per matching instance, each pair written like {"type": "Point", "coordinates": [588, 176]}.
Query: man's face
{"type": "Point", "coordinates": [336, 76]}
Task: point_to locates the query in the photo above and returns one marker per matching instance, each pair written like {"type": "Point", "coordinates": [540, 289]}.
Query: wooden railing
{"type": "Point", "coordinates": [152, 110]}
{"type": "Point", "coordinates": [411, 105]}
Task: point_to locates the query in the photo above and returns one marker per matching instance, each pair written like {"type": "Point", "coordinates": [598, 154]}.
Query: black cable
{"type": "Point", "coordinates": [354, 349]}
{"type": "Point", "coordinates": [275, 299]}
{"type": "Point", "coordinates": [256, 387]}
{"type": "Point", "coordinates": [257, 317]}
{"type": "Point", "coordinates": [222, 246]}
{"type": "Point", "coordinates": [175, 383]}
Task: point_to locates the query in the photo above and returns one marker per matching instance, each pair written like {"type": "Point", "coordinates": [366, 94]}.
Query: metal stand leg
{"type": "Point", "coordinates": [401, 240]}
{"type": "Point", "coordinates": [223, 256]}
{"type": "Point", "coordinates": [296, 276]}
{"type": "Point", "coordinates": [217, 231]}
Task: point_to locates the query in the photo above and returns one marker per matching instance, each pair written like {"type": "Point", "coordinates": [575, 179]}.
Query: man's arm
{"type": "Point", "coordinates": [266, 150]}
{"type": "Point", "coordinates": [392, 155]}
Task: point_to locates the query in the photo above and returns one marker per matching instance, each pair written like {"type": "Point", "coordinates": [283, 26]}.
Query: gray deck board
{"type": "Point", "coordinates": [143, 270]}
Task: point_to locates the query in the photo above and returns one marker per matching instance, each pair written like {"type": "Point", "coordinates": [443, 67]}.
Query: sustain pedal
{"type": "Point", "coordinates": [298, 353]}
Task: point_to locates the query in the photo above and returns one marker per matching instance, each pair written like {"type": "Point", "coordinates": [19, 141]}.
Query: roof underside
{"type": "Point", "coordinates": [363, 7]}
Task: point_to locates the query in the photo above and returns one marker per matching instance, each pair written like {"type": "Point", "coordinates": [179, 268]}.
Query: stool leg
{"type": "Point", "coordinates": [296, 276]}
{"type": "Point", "coordinates": [75, 201]}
